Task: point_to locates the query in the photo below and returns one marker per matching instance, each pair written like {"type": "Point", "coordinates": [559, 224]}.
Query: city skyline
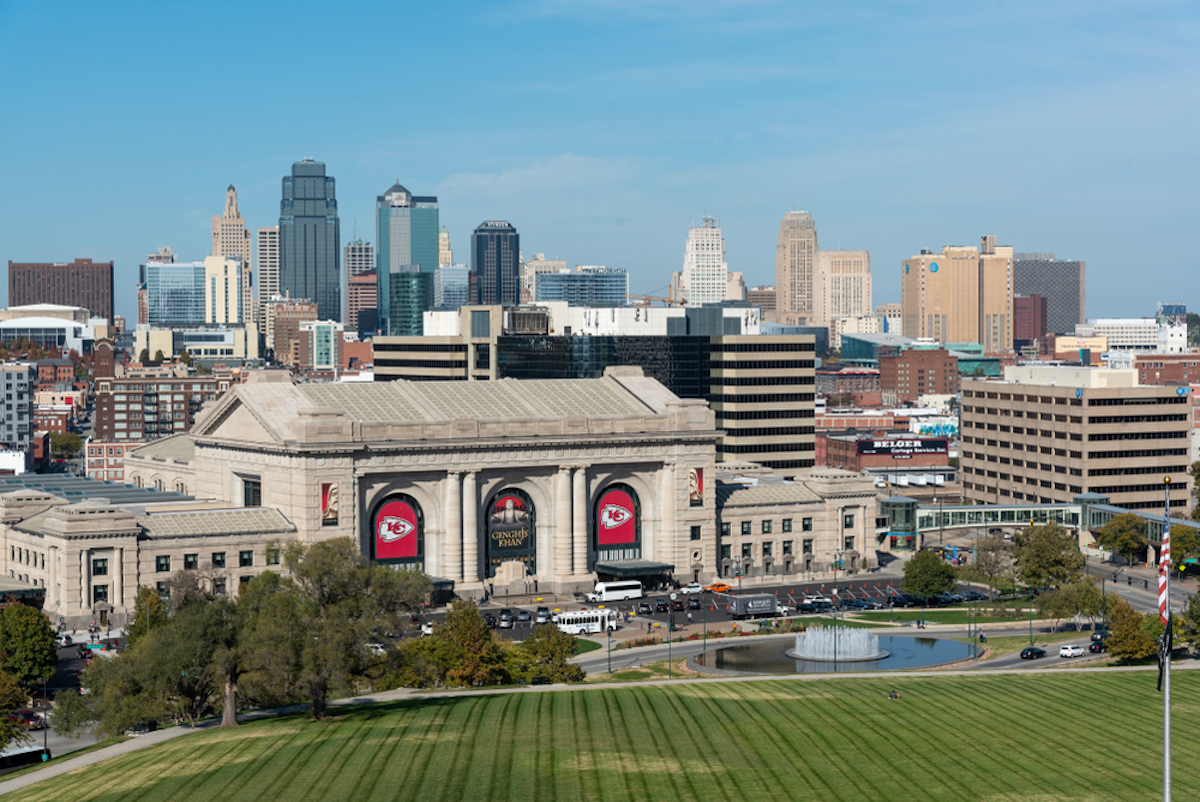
{"type": "Point", "coordinates": [870, 126]}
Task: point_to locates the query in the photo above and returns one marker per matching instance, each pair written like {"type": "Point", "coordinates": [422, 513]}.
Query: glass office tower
{"type": "Point", "coordinates": [309, 251]}
{"type": "Point", "coordinates": [496, 262]}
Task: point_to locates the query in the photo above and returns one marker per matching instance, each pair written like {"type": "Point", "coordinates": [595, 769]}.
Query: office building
{"type": "Point", "coordinates": [1062, 283]}
{"type": "Point", "coordinates": [1029, 318]}
{"type": "Point", "coordinates": [217, 343]}
{"type": "Point", "coordinates": [496, 262]}
{"type": "Point", "coordinates": [451, 286]}
{"type": "Point", "coordinates": [79, 283]}
{"type": "Point", "coordinates": [445, 254]}
{"type": "Point", "coordinates": [760, 387]}
{"type": "Point", "coordinates": [284, 316]}
{"type": "Point", "coordinates": [539, 265]}
{"type": "Point", "coordinates": [964, 294]}
{"type": "Point", "coordinates": [1143, 334]}
{"type": "Point", "coordinates": [16, 405]}
{"type": "Point", "coordinates": [358, 259]}
{"type": "Point", "coordinates": [587, 286]}
{"type": "Point", "coordinates": [230, 237]}
{"type": "Point", "coordinates": [150, 407]}
{"type": "Point", "coordinates": [223, 288]}
{"type": "Point", "coordinates": [908, 375]}
{"type": "Point", "coordinates": [320, 345]}
{"type": "Point", "coordinates": [309, 239]}
{"type": "Point", "coordinates": [268, 270]}
{"type": "Point", "coordinates": [705, 275]}
{"type": "Point", "coordinates": [851, 325]}
{"type": "Point", "coordinates": [164, 255]}
{"type": "Point", "coordinates": [1048, 434]}
{"type": "Point", "coordinates": [762, 297]}
{"type": "Point", "coordinates": [841, 286]}
{"type": "Point", "coordinates": [175, 294]}
{"type": "Point", "coordinates": [362, 295]}
{"type": "Point", "coordinates": [405, 295]}
{"type": "Point", "coordinates": [406, 230]}
{"type": "Point", "coordinates": [795, 258]}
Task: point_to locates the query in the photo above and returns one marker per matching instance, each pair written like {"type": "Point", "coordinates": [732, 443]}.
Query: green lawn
{"type": "Point", "coordinates": [1053, 736]}
{"type": "Point", "coordinates": [932, 616]}
{"type": "Point", "coordinates": [582, 646]}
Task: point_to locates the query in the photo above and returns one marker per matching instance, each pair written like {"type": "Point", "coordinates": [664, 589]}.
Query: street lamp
{"type": "Point", "coordinates": [670, 632]}
{"type": "Point", "coordinates": [609, 631]}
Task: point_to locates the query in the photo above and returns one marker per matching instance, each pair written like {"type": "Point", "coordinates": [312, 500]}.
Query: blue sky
{"type": "Point", "coordinates": [602, 129]}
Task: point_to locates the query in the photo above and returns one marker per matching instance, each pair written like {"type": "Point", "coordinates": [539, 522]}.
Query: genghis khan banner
{"type": "Point", "coordinates": [398, 531]}
{"type": "Point", "coordinates": [511, 523]}
{"type": "Point", "coordinates": [618, 524]}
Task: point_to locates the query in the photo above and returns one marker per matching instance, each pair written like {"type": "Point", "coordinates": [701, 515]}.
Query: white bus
{"type": "Point", "coordinates": [583, 622]}
{"type": "Point", "coordinates": [615, 591]}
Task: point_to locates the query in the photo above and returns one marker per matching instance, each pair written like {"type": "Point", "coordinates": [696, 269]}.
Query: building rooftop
{"type": "Point", "coordinates": [178, 447]}
{"type": "Point", "coordinates": [731, 495]}
{"type": "Point", "coordinates": [239, 521]}
{"type": "Point", "coordinates": [79, 488]}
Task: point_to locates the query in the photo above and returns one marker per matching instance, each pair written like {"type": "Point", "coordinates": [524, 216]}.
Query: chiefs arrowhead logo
{"type": "Point", "coordinates": [392, 528]}
{"type": "Point", "coordinates": [613, 515]}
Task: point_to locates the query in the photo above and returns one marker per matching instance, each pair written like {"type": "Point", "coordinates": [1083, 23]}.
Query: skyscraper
{"type": "Point", "coordinates": [841, 286]}
{"type": "Point", "coordinates": [586, 286]}
{"type": "Point", "coordinates": [795, 255]}
{"type": "Point", "coordinates": [223, 287]}
{"type": "Point", "coordinates": [451, 286]}
{"type": "Point", "coordinates": [81, 283]}
{"type": "Point", "coordinates": [445, 255]}
{"type": "Point", "coordinates": [496, 262]}
{"type": "Point", "coordinates": [230, 237]}
{"type": "Point", "coordinates": [309, 248]}
{"type": "Point", "coordinates": [406, 230]}
{"type": "Point", "coordinates": [268, 269]}
{"type": "Point", "coordinates": [358, 259]}
{"type": "Point", "coordinates": [705, 275]}
{"type": "Point", "coordinates": [1061, 282]}
{"type": "Point", "coordinates": [175, 294]}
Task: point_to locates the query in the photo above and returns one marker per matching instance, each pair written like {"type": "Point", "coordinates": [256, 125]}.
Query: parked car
{"type": "Point", "coordinates": [1032, 653]}
{"type": "Point", "coordinates": [524, 615]}
{"type": "Point", "coordinates": [1071, 650]}
{"type": "Point", "coordinates": [543, 616]}
{"type": "Point", "coordinates": [853, 604]}
{"type": "Point", "coordinates": [805, 608]}
{"type": "Point", "coordinates": [64, 639]}
{"type": "Point", "coordinates": [974, 595]}
{"type": "Point", "coordinates": [506, 619]}
{"type": "Point", "coordinates": [490, 620]}
{"type": "Point", "coordinates": [691, 588]}
{"type": "Point", "coordinates": [644, 609]}
{"type": "Point", "coordinates": [822, 606]}
{"type": "Point", "coordinates": [27, 718]}
{"type": "Point", "coordinates": [718, 587]}
{"type": "Point", "coordinates": [660, 605]}
{"type": "Point", "coordinates": [871, 604]}
{"type": "Point", "coordinates": [783, 609]}
{"type": "Point", "coordinates": [693, 603]}
{"type": "Point", "coordinates": [1100, 635]}
{"type": "Point", "coordinates": [1097, 646]}
{"type": "Point", "coordinates": [427, 628]}
{"type": "Point", "coordinates": [817, 598]}
{"type": "Point", "coordinates": [677, 605]}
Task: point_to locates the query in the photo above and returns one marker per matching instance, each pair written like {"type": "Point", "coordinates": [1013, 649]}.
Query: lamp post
{"type": "Point", "coordinates": [45, 718]}
{"type": "Point", "coordinates": [609, 630]}
{"type": "Point", "coordinates": [1031, 621]}
{"type": "Point", "coordinates": [941, 521]}
{"type": "Point", "coordinates": [670, 632]}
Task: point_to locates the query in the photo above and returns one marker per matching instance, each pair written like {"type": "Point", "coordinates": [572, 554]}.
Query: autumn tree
{"type": "Point", "coordinates": [927, 574]}
{"type": "Point", "coordinates": [1047, 554]}
{"type": "Point", "coordinates": [993, 558]}
{"type": "Point", "coordinates": [545, 655]}
{"type": "Point", "coordinates": [27, 647]}
{"type": "Point", "coordinates": [1123, 534]}
{"type": "Point", "coordinates": [1132, 637]}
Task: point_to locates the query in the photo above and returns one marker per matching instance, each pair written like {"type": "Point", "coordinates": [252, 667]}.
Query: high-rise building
{"type": "Point", "coordinates": [705, 275]}
{"type": "Point", "coordinates": [587, 286]}
{"type": "Point", "coordinates": [358, 259]}
{"type": "Point", "coordinates": [309, 239]}
{"type": "Point", "coordinates": [406, 231]}
{"type": "Point", "coordinates": [175, 294]}
{"type": "Point", "coordinates": [762, 297]}
{"type": "Point", "coordinates": [81, 283]}
{"type": "Point", "coordinates": [405, 295]}
{"type": "Point", "coordinates": [362, 295]}
{"type": "Point", "coordinates": [496, 262]}
{"type": "Point", "coordinates": [164, 256]}
{"type": "Point", "coordinates": [451, 286]}
{"type": "Point", "coordinates": [16, 407]}
{"type": "Point", "coordinates": [445, 255]}
{"type": "Point", "coordinates": [841, 286]}
{"type": "Point", "coordinates": [283, 317]}
{"type": "Point", "coordinates": [223, 288]}
{"type": "Point", "coordinates": [230, 237]}
{"type": "Point", "coordinates": [532, 268]}
{"type": "Point", "coordinates": [1029, 318]}
{"type": "Point", "coordinates": [963, 294]}
{"type": "Point", "coordinates": [795, 256]}
{"type": "Point", "coordinates": [1061, 282]}
{"type": "Point", "coordinates": [268, 269]}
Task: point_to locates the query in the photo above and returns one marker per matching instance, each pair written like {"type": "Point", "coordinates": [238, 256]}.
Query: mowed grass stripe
{"type": "Point", "coordinates": [375, 764]}
{"type": "Point", "coordinates": [187, 772]}
{"type": "Point", "coordinates": [628, 747]}
{"type": "Point", "coordinates": [464, 720]}
{"type": "Point", "coordinates": [775, 712]}
{"type": "Point", "coordinates": [522, 732]}
{"type": "Point", "coordinates": [689, 737]}
{"type": "Point", "coordinates": [674, 766]}
{"type": "Point", "coordinates": [725, 716]}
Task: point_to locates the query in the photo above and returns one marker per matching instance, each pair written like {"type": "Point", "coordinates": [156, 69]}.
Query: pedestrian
{"type": "Point", "coordinates": [689, 618]}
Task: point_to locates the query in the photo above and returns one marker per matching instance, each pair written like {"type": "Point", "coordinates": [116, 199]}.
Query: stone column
{"type": "Point", "coordinates": [453, 551]}
{"type": "Point", "coordinates": [562, 523]}
{"type": "Point", "coordinates": [118, 578]}
{"type": "Point", "coordinates": [579, 535]}
{"type": "Point", "coordinates": [470, 527]}
{"type": "Point", "coordinates": [52, 592]}
{"type": "Point", "coordinates": [661, 543]}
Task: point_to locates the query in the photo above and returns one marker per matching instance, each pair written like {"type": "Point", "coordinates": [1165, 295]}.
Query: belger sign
{"type": "Point", "coordinates": [904, 448]}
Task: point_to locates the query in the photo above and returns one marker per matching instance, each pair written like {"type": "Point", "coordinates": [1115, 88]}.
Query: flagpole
{"type": "Point", "coordinates": [1165, 613]}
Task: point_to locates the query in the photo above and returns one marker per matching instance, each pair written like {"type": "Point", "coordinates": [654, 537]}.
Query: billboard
{"type": "Point", "coordinates": [397, 535]}
{"type": "Point", "coordinates": [904, 448]}
{"type": "Point", "coordinates": [696, 487]}
{"type": "Point", "coordinates": [510, 528]}
{"type": "Point", "coordinates": [329, 504]}
{"type": "Point", "coordinates": [616, 517]}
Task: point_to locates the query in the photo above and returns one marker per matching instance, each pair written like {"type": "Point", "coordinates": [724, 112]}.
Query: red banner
{"type": "Point", "coordinates": [397, 535]}
{"type": "Point", "coordinates": [616, 519]}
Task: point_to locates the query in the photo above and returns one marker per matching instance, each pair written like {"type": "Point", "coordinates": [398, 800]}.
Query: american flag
{"type": "Point", "coordinates": [1164, 565]}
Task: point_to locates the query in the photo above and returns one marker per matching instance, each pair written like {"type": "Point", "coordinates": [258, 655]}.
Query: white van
{"type": "Point", "coordinates": [616, 591]}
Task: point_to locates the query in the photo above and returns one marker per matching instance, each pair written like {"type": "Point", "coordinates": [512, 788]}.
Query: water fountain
{"type": "Point", "coordinates": [837, 644]}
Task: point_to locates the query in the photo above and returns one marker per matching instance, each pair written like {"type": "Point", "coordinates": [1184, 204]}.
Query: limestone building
{"type": "Point", "coordinates": [841, 286]}
{"type": "Point", "coordinates": [795, 256]}
{"type": "Point", "coordinates": [268, 271]}
{"type": "Point", "coordinates": [231, 238]}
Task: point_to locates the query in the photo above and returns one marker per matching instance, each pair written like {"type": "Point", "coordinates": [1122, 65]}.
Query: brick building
{"type": "Point", "coordinates": [81, 283]}
{"type": "Point", "coordinates": [857, 452]}
{"type": "Point", "coordinates": [105, 459]}
{"type": "Point", "coordinates": [905, 376]}
{"type": "Point", "coordinates": [1029, 318]}
{"type": "Point", "coordinates": [1167, 368]}
{"type": "Point", "coordinates": [846, 381]}
{"type": "Point", "coordinates": [147, 408]}
{"type": "Point", "coordinates": [55, 419]}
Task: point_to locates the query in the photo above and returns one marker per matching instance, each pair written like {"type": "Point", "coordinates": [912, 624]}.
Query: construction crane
{"type": "Point", "coordinates": [647, 300]}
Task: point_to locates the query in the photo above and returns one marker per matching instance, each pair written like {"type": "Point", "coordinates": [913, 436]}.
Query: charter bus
{"type": "Point", "coordinates": [583, 622]}
{"type": "Point", "coordinates": [615, 591]}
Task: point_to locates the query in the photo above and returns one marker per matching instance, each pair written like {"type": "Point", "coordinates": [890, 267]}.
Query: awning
{"type": "Point", "coordinates": [441, 584]}
{"type": "Point", "coordinates": [634, 568]}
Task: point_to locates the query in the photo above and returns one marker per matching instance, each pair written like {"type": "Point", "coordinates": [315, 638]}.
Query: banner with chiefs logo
{"type": "Point", "coordinates": [397, 531]}
{"type": "Point", "coordinates": [617, 518]}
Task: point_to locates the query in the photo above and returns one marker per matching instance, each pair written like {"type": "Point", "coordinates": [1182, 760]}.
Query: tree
{"type": "Point", "coordinates": [927, 574]}
{"type": "Point", "coordinates": [12, 697]}
{"type": "Point", "coordinates": [1123, 534]}
{"type": "Point", "coordinates": [1047, 554]}
{"type": "Point", "coordinates": [1185, 543]}
{"type": "Point", "coordinates": [993, 558]}
{"type": "Point", "coordinates": [27, 648]}
{"type": "Point", "coordinates": [465, 650]}
{"type": "Point", "coordinates": [1077, 600]}
{"type": "Point", "coordinates": [149, 613]}
{"type": "Point", "coordinates": [1187, 622]}
{"type": "Point", "coordinates": [1131, 639]}
{"type": "Point", "coordinates": [65, 445]}
{"type": "Point", "coordinates": [185, 357]}
{"type": "Point", "coordinates": [144, 356]}
{"type": "Point", "coordinates": [1056, 605]}
{"type": "Point", "coordinates": [158, 355]}
{"type": "Point", "coordinates": [544, 655]}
